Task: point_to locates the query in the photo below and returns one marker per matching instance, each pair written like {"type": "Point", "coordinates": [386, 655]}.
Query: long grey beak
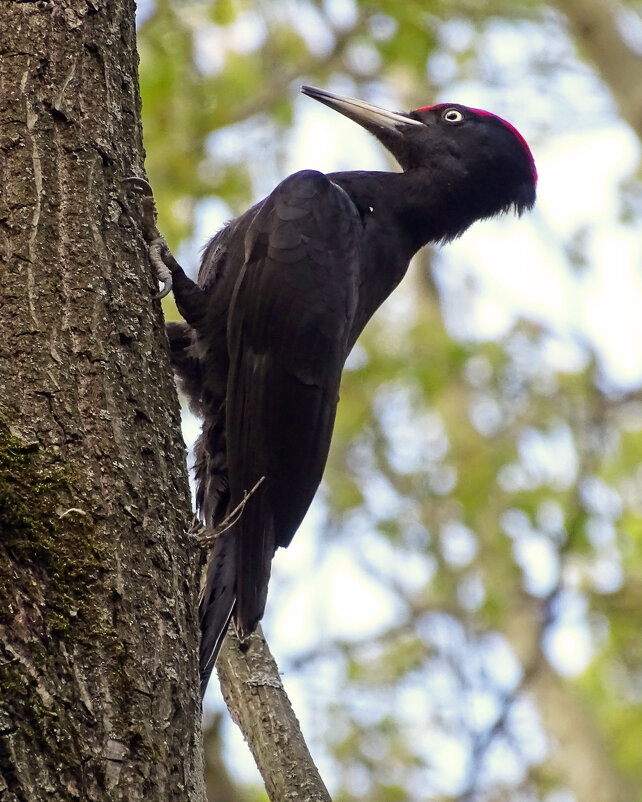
{"type": "Point", "coordinates": [370, 117]}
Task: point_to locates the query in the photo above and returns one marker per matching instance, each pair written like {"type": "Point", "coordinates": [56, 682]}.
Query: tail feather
{"type": "Point", "coordinates": [255, 541]}
{"type": "Point", "coordinates": [217, 602]}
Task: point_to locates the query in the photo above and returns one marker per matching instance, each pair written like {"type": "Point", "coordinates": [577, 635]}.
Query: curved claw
{"type": "Point", "coordinates": [166, 289]}
{"type": "Point", "coordinates": [138, 183]}
{"type": "Point", "coordinates": [155, 241]}
{"type": "Point", "coordinates": [163, 273]}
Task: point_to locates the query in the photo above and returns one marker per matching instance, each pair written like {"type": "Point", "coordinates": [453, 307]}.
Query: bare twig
{"type": "Point", "coordinates": [231, 518]}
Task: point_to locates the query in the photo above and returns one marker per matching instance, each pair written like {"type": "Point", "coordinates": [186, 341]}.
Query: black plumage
{"type": "Point", "coordinates": [283, 293]}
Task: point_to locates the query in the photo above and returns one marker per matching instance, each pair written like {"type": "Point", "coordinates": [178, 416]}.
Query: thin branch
{"type": "Point", "coordinates": [231, 518]}
{"type": "Point", "coordinates": [258, 703]}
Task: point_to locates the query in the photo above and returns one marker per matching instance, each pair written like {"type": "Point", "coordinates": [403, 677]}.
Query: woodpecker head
{"type": "Point", "coordinates": [469, 153]}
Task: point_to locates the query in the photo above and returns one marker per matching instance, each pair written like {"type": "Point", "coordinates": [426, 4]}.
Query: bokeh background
{"type": "Point", "coordinates": [460, 616]}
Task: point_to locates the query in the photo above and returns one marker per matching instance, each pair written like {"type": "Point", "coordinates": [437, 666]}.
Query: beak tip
{"type": "Point", "coordinates": [312, 92]}
{"type": "Point", "coordinates": [370, 117]}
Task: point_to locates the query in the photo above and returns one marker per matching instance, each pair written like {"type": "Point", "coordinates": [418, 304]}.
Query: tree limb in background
{"type": "Point", "coordinates": [258, 703]}
{"type": "Point", "coordinates": [595, 25]}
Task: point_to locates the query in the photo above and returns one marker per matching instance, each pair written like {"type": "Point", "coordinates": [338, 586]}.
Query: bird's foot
{"type": "Point", "coordinates": [163, 274]}
{"type": "Point", "coordinates": [158, 248]}
{"type": "Point", "coordinates": [148, 207]}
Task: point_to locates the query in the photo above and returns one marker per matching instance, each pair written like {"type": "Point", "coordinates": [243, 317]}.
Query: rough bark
{"type": "Point", "coordinates": [258, 703]}
{"type": "Point", "coordinates": [98, 578]}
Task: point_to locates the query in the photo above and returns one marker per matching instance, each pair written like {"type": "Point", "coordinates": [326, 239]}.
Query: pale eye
{"type": "Point", "coordinates": [453, 116]}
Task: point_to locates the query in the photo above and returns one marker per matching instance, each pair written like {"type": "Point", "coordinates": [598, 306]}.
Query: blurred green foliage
{"type": "Point", "coordinates": [490, 451]}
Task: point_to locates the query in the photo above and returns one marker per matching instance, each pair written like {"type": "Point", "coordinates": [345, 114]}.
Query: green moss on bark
{"type": "Point", "coordinates": [52, 555]}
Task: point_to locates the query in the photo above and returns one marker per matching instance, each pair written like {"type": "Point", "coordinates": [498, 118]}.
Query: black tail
{"type": "Point", "coordinates": [218, 601]}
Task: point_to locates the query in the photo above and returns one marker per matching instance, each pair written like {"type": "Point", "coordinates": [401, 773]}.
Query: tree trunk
{"type": "Point", "coordinates": [98, 576]}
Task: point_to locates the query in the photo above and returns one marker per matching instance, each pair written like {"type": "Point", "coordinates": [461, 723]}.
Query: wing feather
{"type": "Point", "coordinates": [288, 331]}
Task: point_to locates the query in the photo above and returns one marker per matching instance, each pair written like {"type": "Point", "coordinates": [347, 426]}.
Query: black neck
{"type": "Point", "coordinates": [411, 202]}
